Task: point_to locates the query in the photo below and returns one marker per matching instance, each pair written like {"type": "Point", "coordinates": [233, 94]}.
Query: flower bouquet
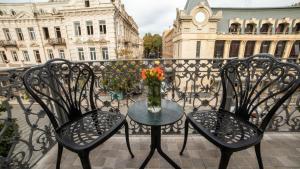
{"type": "Point", "coordinates": [153, 78]}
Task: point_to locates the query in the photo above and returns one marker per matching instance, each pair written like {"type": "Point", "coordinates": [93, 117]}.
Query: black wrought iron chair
{"type": "Point", "coordinates": [65, 91]}
{"type": "Point", "coordinates": [253, 91]}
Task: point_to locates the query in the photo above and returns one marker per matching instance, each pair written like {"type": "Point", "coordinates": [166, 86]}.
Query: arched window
{"type": "Point", "coordinates": [266, 28]}
{"type": "Point", "coordinates": [13, 12]}
{"type": "Point", "coordinates": [282, 28]}
{"type": "Point", "coordinates": [250, 28]}
{"type": "Point", "coordinates": [296, 29]}
{"type": "Point", "coordinates": [235, 28]}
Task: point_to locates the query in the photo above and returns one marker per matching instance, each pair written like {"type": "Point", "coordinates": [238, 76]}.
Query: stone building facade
{"type": "Point", "coordinates": [32, 33]}
{"type": "Point", "coordinates": [167, 43]}
{"type": "Point", "coordinates": [204, 31]}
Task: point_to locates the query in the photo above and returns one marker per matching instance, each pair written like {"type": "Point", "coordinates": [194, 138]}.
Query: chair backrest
{"type": "Point", "coordinates": [257, 86]}
{"type": "Point", "coordinates": [63, 89]}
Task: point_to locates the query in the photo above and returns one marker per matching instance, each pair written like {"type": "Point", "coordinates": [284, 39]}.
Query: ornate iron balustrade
{"type": "Point", "coordinates": [193, 83]}
{"type": "Point", "coordinates": [8, 43]}
{"type": "Point", "coordinates": [56, 41]}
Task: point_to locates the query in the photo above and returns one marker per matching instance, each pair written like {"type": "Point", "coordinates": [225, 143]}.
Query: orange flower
{"type": "Point", "coordinates": [144, 74]}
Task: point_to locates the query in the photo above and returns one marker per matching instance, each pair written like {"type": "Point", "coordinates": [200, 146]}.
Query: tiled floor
{"type": "Point", "coordinates": [279, 151]}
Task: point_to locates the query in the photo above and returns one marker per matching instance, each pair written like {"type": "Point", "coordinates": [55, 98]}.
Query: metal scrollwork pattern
{"type": "Point", "coordinates": [193, 83]}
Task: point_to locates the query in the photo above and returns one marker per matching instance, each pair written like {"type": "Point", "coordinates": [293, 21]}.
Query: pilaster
{"type": "Point", "coordinates": [226, 49]}
{"type": "Point", "coordinates": [242, 49]}
{"type": "Point", "coordinates": [288, 48]}
{"type": "Point", "coordinates": [257, 47]}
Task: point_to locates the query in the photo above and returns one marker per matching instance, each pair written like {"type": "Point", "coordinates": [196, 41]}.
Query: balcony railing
{"type": "Point", "coordinates": [193, 83]}
{"type": "Point", "coordinates": [8, 43]}
{"type": "Point", "coordinates": [56, 41]}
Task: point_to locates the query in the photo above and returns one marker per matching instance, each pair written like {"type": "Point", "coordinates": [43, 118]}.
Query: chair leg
{"type": "Point", "coordinates": [127, 138]}
{"type": "Point", "coordinates": [225, 156]}
{"type": "Point", "coordinates": [186, 131]}
{"type": "Point", "coordinates": [85, 161]}
{"type": "Point", "coordinates": [258, 155]}
{"type": "Point", "coordinates": [59, 154]}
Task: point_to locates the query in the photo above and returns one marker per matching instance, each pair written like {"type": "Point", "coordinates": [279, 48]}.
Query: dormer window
{"type": "Point", "coordinates": [235, 28]}
{"type": "Point", "coordinates": [250, 28]}
{"type": "Point", "coordinates": [297, 28]}
{"type": "Point", "coordinates": [282, 28]}
{"type": "Point", "coordinates": [87, 3]}
{"type": "Point", "coordinates": [266, 28]}
{"type": "Point", "coordinates": [13, 12]}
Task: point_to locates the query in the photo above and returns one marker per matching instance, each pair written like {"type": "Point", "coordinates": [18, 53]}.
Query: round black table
{"type": "Point", "coordinates": [170, 113]}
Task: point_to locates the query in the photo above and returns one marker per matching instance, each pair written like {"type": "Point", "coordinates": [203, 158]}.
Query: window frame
{"type": "Point", "coordinates": [7, 34]}
{"type": "Point", "coordinates": [80, 51]}
{"type": "Point", "coordinates": [20, 34]}
{"type": "Point", "coordinates": [14, 56]}
{"type": "Point", "coordinates": [89, 28]}
{"type": "Point", "coordinates": [31, 33]}
{"type": "Point", "coordinates": [77, 28]}
{"type": "Point", "coordinates": [26, 55]}
{"type": "Point", "coordinates": [105, 55]}
{"type": "Point", "coordinates": [93, 55]}
{"type": "Point", "coordinates": [102, 27]}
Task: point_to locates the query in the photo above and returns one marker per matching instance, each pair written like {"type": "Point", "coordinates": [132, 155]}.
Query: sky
{"type": "Point", "coordinates": [155, 16]}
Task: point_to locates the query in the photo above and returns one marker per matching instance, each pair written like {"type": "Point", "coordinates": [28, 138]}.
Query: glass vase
{"type": "Point", "coordinates": [154, 98]}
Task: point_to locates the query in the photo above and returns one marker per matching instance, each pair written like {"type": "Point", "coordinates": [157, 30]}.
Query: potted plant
{"type": "Point", "coordinates": [9, 130]}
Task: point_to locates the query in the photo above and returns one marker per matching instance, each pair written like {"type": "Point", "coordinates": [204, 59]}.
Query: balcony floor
{"type": "Point", "coordinates": [279, 151]}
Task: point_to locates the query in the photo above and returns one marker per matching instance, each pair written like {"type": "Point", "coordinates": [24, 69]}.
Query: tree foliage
{"type": "Point", "coordinates": [152, 44]}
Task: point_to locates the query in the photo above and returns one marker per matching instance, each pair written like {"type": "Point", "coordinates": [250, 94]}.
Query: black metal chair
{"type": "Point", "coordinates": [65, 90]}
{"type": "Point", "coordinates": [253, 91]}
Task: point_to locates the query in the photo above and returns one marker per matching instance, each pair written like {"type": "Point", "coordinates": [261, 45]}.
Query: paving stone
{"type": "Point", "coordinates": [279, 151]}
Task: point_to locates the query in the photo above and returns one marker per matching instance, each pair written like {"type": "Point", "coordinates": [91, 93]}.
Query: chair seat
{"type": "Point", "coordinates": [90, 130]}
{"type": "Point", "coordinates": [224, 129]}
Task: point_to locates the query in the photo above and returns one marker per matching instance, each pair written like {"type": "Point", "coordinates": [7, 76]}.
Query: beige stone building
{"type": "Point", "coordinates": [32, 33]}
{"type": "Point", "coordinates": [204, 31]}
{"type": "Point", "coordinates": [167, 43]}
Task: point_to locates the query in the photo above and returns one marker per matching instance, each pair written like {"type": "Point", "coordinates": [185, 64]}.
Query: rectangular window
{"type": "Point", "coordinates": [234, 48]}
{"type": "Point", "coordinates": [57, 32]}
{"type": "Point", "coordinates": [3, 57]}
{"type": "Point", "coordinates": [46, 33]}
{"type": "Point", "coordinates": [89, 28]}
{"type": "Point", "coordinates": [265, 46]}
{"type": "Point", "coordinates": [93, 53]}
{"type": "Point", "coordinates": [31, 33]}
{"type": "Point", "coordinates": [249, 49]}
{"type": "Point", "coordinates": [26, 56]}
{"type": "Point", "coordinates": [37, 56]}
{"type": "Point", "coordinates": [87, 3]}
{"type": "Point", "coordinates": [19, 33]}
{"type": "Point", "coordinates": [102, 27]}
{"type": "Point", "coordinates": [219, 48]}
{"type": "Point", "coordinates": [280, 49]}
{"type": "Point", "coordinates": [198, 46]}
{"type": "Point", "coordinates": [105, 53]}
{"type": "Point", "coordinates": [50, 53]}
{"type": "Point", "coordinates": [80, 54]}
{"type": "Point", "coordinates": [77, 28]}
{"type": "Point", "coordinates": [14, 56]}
{"type": "Point", "coordinates": [61, 53]}
{"type": "Point", "coordinates": [7, 33]}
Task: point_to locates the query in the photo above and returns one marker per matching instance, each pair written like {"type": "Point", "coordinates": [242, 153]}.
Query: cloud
{"type": "Point", "coordinates": [153, 15]}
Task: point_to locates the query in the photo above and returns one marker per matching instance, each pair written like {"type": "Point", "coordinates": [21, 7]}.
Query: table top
{"type": "Point", "coordinates": [170, 113]}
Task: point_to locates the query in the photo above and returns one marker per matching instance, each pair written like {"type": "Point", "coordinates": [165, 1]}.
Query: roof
{"type": "Point", "coordinates": [258, 13]}
{"type": "Point", "coordinates": [240, 4]}
{"type": "Point", "coordinates": [190, 4]}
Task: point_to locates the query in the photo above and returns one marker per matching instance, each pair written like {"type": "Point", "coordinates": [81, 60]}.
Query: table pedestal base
{"type": "Point", "coordinates": [156, 144]}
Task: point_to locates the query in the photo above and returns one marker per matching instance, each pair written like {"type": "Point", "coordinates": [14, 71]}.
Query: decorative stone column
{"type": "Point", "coordinates": [288, 48]}
{"type": "Point", "coordinates": [226, 49]}
{"type": "Point", "coordinates": [257, 47]}
{"type": "Point", "coordinates": [242, 49]}
{"type": "Point", "coordinates": [273, 47]}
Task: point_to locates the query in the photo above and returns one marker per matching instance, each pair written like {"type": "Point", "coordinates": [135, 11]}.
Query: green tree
{"type": "Point", "coordinates": [153, 44]}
